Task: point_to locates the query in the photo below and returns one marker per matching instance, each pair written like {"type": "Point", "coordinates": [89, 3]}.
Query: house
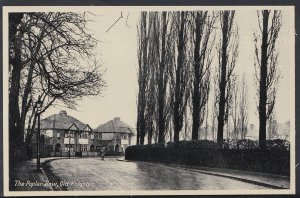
{"type": "Point", "coordinates": [116, 133]}
{"type": "Point", "coordinates": [63, 135]}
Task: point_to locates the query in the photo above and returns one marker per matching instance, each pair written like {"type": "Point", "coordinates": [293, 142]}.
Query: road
{"type": "Point", "coordinates": [111, 174]}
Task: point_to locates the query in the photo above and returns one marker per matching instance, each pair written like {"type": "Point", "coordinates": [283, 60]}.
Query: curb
{"type": "Point", "coordinates": [218, 174]}
{"type": "Point", "coordinates": [239, 179]}
{"type": "Point", "coordinates": [42, 170]}
{"type": "Point", "coordinates": [51, 176]}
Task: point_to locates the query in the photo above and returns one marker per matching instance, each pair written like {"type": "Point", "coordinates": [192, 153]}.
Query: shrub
{"type": "Point", "coordinates": [278, 144]}
{"type": "Point", "coordinates": [242, 154]}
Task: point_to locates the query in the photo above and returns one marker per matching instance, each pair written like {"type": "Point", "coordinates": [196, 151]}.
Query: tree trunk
{"type": "Point", "coordinates": [222, 85]}
{"type": "Point", "coordinates": [28, 86]}
{"type": "Point", "coordinates": [150, 132]}
{"type": "Point", "coordinates": [196, 91]}
{"type": "Point", "coordinates": [161, 85]}
{"type": "Point", "coordinates": [206, 122]}
{"type": "Point", "coordinates": [143, 81]}
{"type": "Point", "coordinates": [142, 128]}
{"type": "Point", "coordinates": [178, 91]}
{"type": "Point", "coordinates": [262, 84]}
{"type": "Point", "coordinates": [16, 138]}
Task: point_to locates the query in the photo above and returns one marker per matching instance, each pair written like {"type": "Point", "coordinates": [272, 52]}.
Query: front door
{"type": "Point", "coordinates": [57, 147]}
{"type": "Point", "coordinates": [92, 148]}
{"type": "Point", "coordinates": [117, 148]}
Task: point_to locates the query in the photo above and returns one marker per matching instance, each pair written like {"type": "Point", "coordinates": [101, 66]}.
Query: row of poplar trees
{"type": "Point", "coordinates": [175, 57]}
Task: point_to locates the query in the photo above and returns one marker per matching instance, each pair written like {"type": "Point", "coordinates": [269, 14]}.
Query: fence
{"type": "Point", "coordinates": [77, 154]}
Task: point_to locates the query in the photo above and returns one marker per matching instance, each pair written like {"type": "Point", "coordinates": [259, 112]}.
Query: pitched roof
{"type": "Point", "coordinates": [62, 121]}
{"type": "Point", "coordinates": [115, 126]}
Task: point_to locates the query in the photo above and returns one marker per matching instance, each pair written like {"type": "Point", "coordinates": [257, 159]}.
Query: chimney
{"type": "Point", "coordinates": [117, 119]}
{"type": "Point", "coordinates": [63, 112]}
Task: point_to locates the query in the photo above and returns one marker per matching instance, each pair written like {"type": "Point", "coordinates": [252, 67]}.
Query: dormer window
{"type": "Point", "coordinates": [69, 134]}
{"type": "Point", "coordinates": [84, 135]}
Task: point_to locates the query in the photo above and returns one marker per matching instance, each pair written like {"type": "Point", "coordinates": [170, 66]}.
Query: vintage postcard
{"type": "Point", "coordinates": [122, 100]}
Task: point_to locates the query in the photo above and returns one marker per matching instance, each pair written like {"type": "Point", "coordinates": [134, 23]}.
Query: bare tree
{"type": "Point", "coordinates": [206, 119]}
{"type": "Point", "coordinates": [235, 110]}
{"type": "Point", "coordinates": [57, 63]}
{"type": "Point", "coordinates": [160, 55]}
{"type": "Point", "coordinates": [202, 58]}
{"type": "Point", "coordinates": [227, 57]}
{"type": "Point", "coordinates": [150, 111]}
{"type": "Point", "coordinates": [272, 126]}
{"type": "Point", "coordinates": [215, 102]}
{"type": "Point", "coordinates": [142, 76]}
{"type": "Point", "coordinates": [181, 74]}
{"type": "Point", "coordinates": [266, 68]}
{"type": "Point", "coordinates": [153, 65]}
{"type": "Point", "coordinates": [170, 61]}
{"type": "Point", "coordinates": [166, 60]}
{"type": "Point", "coordinates": [15, 68]}
{"type": "Point", "coordinates": [214, 111]}
{"type": "Point", "coordinates": [243, 109]}
{"type": "Point", "coordinates": [186, 135]}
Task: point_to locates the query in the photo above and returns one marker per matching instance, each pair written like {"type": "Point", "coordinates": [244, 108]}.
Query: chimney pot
{"type": "Point", "coordinates": [64, 112]}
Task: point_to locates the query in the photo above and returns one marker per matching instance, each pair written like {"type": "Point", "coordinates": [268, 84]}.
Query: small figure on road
{"type": "Point", "coordinates": [102, 154]}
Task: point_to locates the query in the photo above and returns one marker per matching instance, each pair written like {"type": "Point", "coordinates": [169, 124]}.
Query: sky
{"type": "Point", "coordinates": [118, 53]}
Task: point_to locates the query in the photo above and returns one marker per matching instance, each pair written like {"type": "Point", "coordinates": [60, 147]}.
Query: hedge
{"type": "Point", "coordinates": [242, 155]}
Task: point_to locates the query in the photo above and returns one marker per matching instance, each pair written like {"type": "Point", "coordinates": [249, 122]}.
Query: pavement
{"type": "Point", "coordinates": [120, 174]}
{"type": "Point", "coordinates": [26, 177]}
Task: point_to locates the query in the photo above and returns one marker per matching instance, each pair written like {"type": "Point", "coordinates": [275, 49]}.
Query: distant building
{"type": "Point", "coordinates": [117, 133]}
{"type": "Point", "coordinates": [63, 134]}
{"type": "Point", "coordinates": [252, 133]}
{"type": "Point", "coordinates": [283, 132]}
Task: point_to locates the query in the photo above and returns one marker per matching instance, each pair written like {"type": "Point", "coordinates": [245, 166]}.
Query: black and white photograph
{"type": "Point", "coordinates": [157, 100]}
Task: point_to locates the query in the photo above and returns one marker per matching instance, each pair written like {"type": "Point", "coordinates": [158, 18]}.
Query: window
{"type": "Point", "coordinates": [69, 146]}
{"type": "Point", "coordinates": [83, 147]}
{"type": "Point", "coordinates": [58, 134]}
{"type": "Point", "coordinates": [125, 137]}
{"type": "Point", "coordinates": [99, 136]}
{"type": "Point", "coordinates": [98, 148]}
{"type": "Point", "coordinates": [49, 133]}
{"type": "Point", "coordinates": [92, 136]}
{"type": "Point", "coordinates": [84, 135]}
{"type": "Point", "coordinates": [69, 134]}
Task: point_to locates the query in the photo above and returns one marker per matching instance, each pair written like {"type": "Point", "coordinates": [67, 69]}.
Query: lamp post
{"type": "Point", "coordinates": [69, 146]}
{"type": "Point", "coordinates": [38, 159]}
